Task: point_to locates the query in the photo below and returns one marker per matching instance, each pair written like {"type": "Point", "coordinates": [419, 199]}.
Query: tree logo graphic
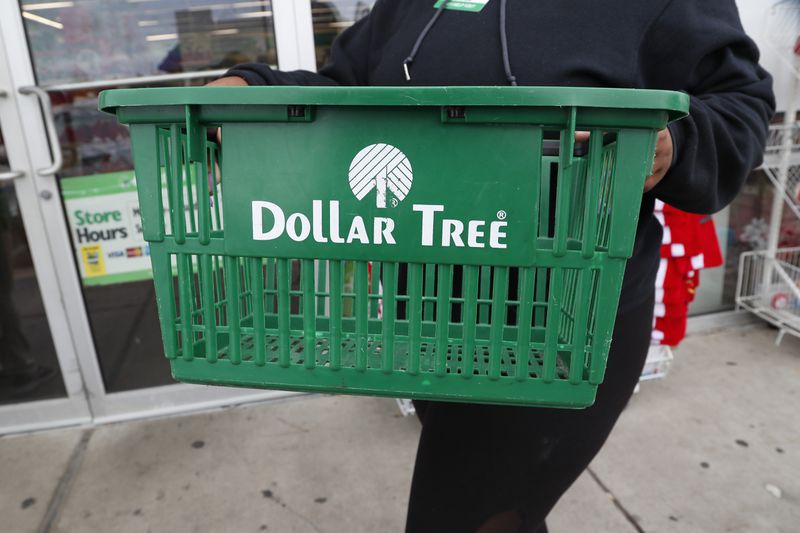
{"type": "Point", "coordinates": [384, 168]}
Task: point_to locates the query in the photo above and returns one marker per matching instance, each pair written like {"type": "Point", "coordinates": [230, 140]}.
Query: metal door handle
{"type": "Point", "coordinates": [14, 174]}
{"type": "Point", "coordinates": [10, 176]}
{"type": "Point", "coordinates": [50, 127]}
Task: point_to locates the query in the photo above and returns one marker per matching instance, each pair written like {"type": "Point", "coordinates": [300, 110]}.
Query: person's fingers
{"type": "Point", "coordinates": [662, 160]}
{"type": "Point", "coordinates": [228, 81]}
{"type": "Point", "coordinates": [582, 136]}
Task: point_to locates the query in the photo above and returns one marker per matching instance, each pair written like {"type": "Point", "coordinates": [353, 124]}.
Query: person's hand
{"type": "Point", "coordinates": [661, 162]}
{"type": "Point", "coordinates": [228, 81]}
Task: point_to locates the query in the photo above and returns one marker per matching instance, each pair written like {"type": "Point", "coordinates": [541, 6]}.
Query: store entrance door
{"type": "Point", "coordinates": [40, 380]}
{"type": "Point", "coordinates": [79, 187]}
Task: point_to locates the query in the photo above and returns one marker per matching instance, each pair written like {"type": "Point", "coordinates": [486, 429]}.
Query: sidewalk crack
{"type": "Point", "coordinates": [618, 504]}
{"type": "Point", "coordinates": [65, 483]}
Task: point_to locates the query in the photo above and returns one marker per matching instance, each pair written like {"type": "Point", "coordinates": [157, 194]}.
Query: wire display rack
{"type": "Point", "coordinates": [769, 287]}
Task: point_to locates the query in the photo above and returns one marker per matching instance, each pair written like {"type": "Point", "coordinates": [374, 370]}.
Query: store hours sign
{"type": "Point", "coordinates": [106, 227]}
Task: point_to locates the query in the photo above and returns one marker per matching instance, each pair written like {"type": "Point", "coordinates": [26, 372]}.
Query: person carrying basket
{"type": "Point", "coordinates": [485, 468]}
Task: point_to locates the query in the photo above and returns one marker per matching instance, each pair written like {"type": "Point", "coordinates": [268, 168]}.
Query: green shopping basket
{"type": "Point", "coordinates": [443, 243]}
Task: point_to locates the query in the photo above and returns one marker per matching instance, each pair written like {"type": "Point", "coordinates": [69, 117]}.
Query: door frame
{"type": "Point", "coordinates": [51, 246]}
{"type": "Point", "coordinates": [74, 408]}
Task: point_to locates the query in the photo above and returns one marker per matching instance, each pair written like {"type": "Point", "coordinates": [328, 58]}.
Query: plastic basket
{"type": "Point", "coordinates": [445, 243]}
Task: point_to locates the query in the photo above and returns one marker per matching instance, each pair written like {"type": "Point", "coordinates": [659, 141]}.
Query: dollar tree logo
{"type": "Point", "coordinates": [385, 169]}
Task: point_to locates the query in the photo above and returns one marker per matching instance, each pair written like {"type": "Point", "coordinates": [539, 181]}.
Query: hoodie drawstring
{"type": "Point", "coordinates": [512, 80]}
{"type": "Point", "coordinates": [421, 37]}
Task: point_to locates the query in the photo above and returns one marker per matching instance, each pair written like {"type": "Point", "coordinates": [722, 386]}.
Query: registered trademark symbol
{"type": "Point", "coordinates": [501, 215]}
{"type": "Point", "coordinates": [395, 202]}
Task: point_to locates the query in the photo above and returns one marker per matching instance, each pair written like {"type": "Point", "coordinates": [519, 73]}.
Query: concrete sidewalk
{"type": "Point", "coordinates": [714, 447]}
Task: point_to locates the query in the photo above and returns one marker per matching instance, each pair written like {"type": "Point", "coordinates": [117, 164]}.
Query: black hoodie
{"type": "Point", "coordinates": [696, 46]}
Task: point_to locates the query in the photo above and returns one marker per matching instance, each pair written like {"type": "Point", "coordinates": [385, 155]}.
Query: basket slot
{"type": "Point", "coordinates": [309, 314]}
{"type": "Point", "coordinates": [190, 175]}
{"type": "Point", "coordinates": [200, 169]}
{"type": "Point", "coordinates": [185, 287]}
{"type": "Point", "coordinates": [256, 268]}
{"type": "Point", "coordinates": [567, 322]}
{"type": "Point", "coordinates": [524, 317]}
{"type": "Point", "coordinates": [282, 283]}
{"type": "Point", "coordinates": [594, 175]}
{"type": "Point", "coordinates": [577, 361]}
{"type": "Point", "coordinates": [361, 289]}
{"type": "Point", "coordinates": [414, 307]}
{"type": "Point", "coordinates": [605, 204]}
{"type": "Point", "coordinates": [208, 306]}
{"type": "Point", "coordinates": [443, 317]}
{"type": "Point", "coordinates": [389, 308]}
{"type": "Point", "coordinates": [335, 273]}
{"type": "Point", "coordinates": [214, 165]}
{"type": "Point", "coordinates": [270, 289]}
{"type": "Point", "coordinates": [430, 292]}
{"type": "Point", "coordinates": [232, 284]}
{"type": "Point", "coordinates": [175, 186]}
{"type": "Point", "coordinates": [549, 170]}
{"type": "Point", "coordinates": [374, 269]}
{"type": "Point", "coordinates": [554, 300]}
{"type": "Point", "coordinates": [498, 320]}
{"type": "Point", "coordinates": [469, 316]}
{"type": "Point", "coordinates": [485, 291]}
{"type": "Point", "coordinates": [321, 274]}
{"type": "Point", "coordinates": [564, 187]}
{"type": "Point", "coordinates": [539, 175]}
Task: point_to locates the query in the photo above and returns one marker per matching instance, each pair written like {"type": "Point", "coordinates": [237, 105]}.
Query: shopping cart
{"type": "Point", "coordinates": [444, 243]}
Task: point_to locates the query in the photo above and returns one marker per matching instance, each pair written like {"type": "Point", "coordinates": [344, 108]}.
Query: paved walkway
{"type": "Point", "coordinates": [713, 448]}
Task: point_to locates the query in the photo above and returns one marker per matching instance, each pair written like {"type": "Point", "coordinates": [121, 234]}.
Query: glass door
{"type": "Point", "coordinates": [65, 53]}
{"type": "Point", "coordinates": [40, 381]}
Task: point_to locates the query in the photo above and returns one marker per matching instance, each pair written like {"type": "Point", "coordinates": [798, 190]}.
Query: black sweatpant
{"type": "Point", "coordinates": [475, 462]}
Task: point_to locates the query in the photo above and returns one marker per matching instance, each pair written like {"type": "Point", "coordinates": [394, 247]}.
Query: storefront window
{"type": "Point", "coordinates": [87, 40]}
{"type": "Point", "coordinates": [332, 17]}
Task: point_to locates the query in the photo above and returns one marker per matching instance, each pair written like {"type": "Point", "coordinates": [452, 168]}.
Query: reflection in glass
{"type": "Point", "coordinates": [332, 17]}
{"type": "Point", "coordinates": [87, 40]}
{"type": "Point", "coordinates": [28, 365]}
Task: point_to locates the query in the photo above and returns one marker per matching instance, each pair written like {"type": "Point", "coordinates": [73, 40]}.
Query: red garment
{"type": "Point", "coordinates": [689, 245]}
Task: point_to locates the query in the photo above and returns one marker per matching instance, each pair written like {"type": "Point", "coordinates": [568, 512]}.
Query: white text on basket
{"type": "Point", "coordinates": [379, 230]}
